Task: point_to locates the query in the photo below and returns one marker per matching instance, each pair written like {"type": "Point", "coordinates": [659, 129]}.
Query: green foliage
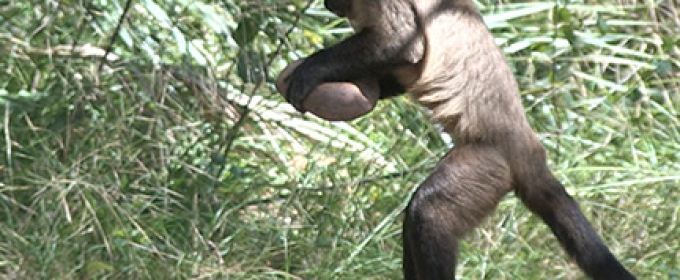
{"type": "Point", "coordinates": [147, 142]}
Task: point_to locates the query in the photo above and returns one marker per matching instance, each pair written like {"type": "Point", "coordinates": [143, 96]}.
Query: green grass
{"type": "Point", "coordinates": [177, 160]}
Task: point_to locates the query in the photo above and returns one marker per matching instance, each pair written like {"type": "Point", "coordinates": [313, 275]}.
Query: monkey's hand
{"type": "Point", "coordinates": [301, 83]}
{"type": "Point", "coordinates": [336, 101]}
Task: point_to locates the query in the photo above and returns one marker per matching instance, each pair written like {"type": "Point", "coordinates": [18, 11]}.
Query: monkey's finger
{"type": "Point", "coordinates": [284, 84]}
{"type": "Point", "coordinates": [296, 94]}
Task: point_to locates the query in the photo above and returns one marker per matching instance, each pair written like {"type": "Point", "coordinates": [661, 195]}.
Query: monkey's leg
{"type": "Point", "coordinates": [464, 188]}
{"type": "Point", "coordinates": [546, 196]}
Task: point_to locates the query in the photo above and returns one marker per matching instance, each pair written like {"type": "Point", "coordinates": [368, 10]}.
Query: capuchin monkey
{"type": "Point", "coordinates": [441, 52]}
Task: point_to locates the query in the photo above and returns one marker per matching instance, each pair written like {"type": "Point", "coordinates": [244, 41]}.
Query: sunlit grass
{"type": "Point", "coordinates": [145, 172]}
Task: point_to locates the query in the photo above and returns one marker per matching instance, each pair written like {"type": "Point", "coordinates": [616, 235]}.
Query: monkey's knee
{"type": "Point", "coordinates": [465, 187]}
{"type": "Point", "coordinates": [430, 238]}
{"type": "Point", "coordinates": [433, 214]}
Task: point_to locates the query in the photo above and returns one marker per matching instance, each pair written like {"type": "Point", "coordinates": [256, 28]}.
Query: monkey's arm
{"type": "Point", "coordinates": [390, 86]}
{"type": "Point", "coordinates": [373, 52]}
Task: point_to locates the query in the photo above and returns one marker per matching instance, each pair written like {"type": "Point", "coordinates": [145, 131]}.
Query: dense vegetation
{"type": "Point", "coordinates": [144, 140]}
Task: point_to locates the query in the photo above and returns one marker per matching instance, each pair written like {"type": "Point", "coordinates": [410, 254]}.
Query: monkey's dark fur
{"type": "Point", "coordinates": [443, 54]}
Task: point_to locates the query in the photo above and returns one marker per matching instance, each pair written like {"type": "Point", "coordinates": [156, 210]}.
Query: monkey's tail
{"type": "Point", "coordinates": [546, 196]}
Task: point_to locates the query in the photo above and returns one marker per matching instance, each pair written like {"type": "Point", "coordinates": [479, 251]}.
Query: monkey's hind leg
{"type": "Point", "coordinates": [544, 195]}
{"type": "Point", "coordinates": [464, 188]}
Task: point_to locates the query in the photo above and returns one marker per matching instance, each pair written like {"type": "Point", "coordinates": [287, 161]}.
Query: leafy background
{"type": "Point", "coordinates": [144, 140]}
